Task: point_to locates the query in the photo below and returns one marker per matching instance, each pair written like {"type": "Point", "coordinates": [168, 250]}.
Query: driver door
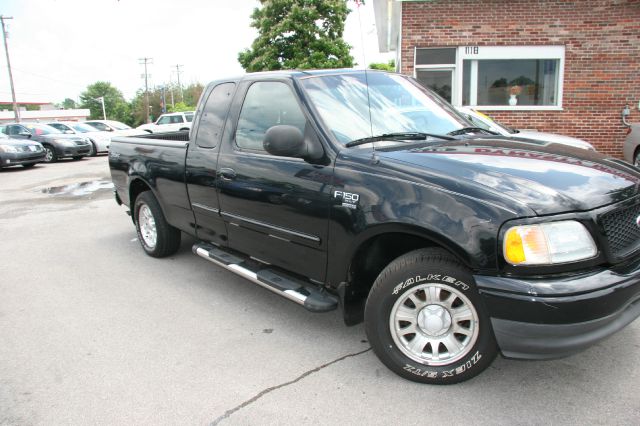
{"type": "Point", "coordinates": [275, 208]}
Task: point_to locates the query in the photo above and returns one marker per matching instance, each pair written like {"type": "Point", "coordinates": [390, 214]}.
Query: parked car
{"type": "Point", "coordinates": [631, 147]}
{"type": "Point", "coordinates": [115, 127]}
{"type": "Point", "coordinates": [20, 152]}
{"type": "Point", "coordinates": [485, 122]}
{"type": "Point", "coordinates": [55, 143]}
{"type": "Point", "coordinates": [451, 246]}
{"type": "Point", "coordinates": [99, 140]}
{"type": "Point", "coordinates": [175, 121]}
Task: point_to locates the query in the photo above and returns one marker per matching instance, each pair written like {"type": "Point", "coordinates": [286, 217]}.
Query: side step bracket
{"type": "Point", "coordinates": [303, 293]}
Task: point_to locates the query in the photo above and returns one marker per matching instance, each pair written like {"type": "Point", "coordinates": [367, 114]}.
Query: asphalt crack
{"type": "Point", "coordinates": [239, 407]}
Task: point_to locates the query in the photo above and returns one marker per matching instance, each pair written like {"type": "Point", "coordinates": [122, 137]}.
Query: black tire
{"type": "Point", "coordinates": [77, 158]}
{"type": "Point", "coordinates": [94, 150]}
{"type": "Point", "coordinates": [636, 158]}
{"type": "Point", "coordinates": [28, 166]}
{"type": "Point", "coordinates": [167, 237]}
{"type": "Point", "coordinates": [50, 154]}
{"type": "Point", "coordinates": [433, 270]}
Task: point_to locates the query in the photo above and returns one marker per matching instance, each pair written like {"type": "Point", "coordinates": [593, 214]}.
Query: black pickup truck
{"type": "Point", "coordinates": [368, 192]}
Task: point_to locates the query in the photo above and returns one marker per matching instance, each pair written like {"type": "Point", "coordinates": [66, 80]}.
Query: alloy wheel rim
{"type": "Point", "coordinates": [147, 226]}
{"type": "Point", "coordinates": [434, 324]}
{"type": "Point", "coordinates": [48, 156]}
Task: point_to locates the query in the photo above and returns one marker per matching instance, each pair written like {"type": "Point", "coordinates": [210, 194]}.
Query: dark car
{"type": "Point", "coordinates": [15, 152]}
{"type": "Point", "coordinates": [56, 144]}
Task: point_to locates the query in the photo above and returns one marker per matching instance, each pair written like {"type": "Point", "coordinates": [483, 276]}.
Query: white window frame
{"type": "Point", "coordinates": [505, 52]}
{"type": "Point", "coordinates": [453, 67]}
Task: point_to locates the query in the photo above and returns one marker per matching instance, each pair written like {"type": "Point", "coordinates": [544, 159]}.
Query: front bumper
{"type": "Point", "coordinates": [73, 151]}
{"type": "Point", "coordinates": [553, 318]}
{"type": "Point", "coordinates": [17, 159]}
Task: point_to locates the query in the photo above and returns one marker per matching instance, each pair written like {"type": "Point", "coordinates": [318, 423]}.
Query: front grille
{"type": "Point", "coordinates": [623, 232]}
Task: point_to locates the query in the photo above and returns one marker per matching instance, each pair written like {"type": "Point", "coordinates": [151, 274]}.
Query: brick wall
{"type": "Point", "coordinates": [602, 58]}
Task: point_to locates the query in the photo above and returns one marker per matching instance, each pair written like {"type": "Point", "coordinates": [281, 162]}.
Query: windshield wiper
{"type": "Point", "coordinates": [401, 136]}
{"type": "Point", "coordinates": [466, 130]}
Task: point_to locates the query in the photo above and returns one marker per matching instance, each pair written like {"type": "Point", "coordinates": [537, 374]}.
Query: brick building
{"type": "Point", "coordinates": [565, 67]}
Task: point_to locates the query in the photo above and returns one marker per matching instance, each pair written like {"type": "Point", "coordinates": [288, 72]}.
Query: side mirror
{"type": "Point", "coordinates": [288, 141]}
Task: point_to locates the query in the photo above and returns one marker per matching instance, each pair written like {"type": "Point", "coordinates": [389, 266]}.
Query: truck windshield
{"type": "Point", "coordinates": [398, 105]}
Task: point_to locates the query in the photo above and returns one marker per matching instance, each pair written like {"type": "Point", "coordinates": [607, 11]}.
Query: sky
{"type": "Point", "coordinates": [58, 47]}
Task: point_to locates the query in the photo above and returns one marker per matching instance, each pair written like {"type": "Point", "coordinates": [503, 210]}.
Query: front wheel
{"type": "Point", "coordinates": [157, 237]}
{"type": "Point", "coordinates": [636, 159]}
{"type": "Point", "coordinates": [425, 320]}
{"type": "Point", "coordinates": [93, 150]}
{"type": "Point", "coordinates": [50, 155]}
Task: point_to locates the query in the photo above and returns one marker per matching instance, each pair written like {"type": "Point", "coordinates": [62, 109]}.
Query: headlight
{"type": "Point", "coordinates": [65, 142]}
{"type": "Point", "coordinates": [8, 148]}
{"type": "Point", "coordinates": [548, 243]}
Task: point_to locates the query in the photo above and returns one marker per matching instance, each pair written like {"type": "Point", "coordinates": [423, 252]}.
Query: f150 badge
{"type": "Point", "coordinates": [349, 199]}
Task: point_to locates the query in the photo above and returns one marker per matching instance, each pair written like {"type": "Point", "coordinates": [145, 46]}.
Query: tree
{"type": "Point", "coordinates": [114, 103]}
{"type": "Point", "coordinates": [68, 103]}
{"type": "Point", "coordinates": [389, 66]}
{"type": "Point", "coordinates": [298, 34]}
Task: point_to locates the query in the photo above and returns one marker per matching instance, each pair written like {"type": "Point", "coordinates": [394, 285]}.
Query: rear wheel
{"type": "Point", "coordinates": [157, 237]}
{"type": "Point", "coordinates": [94, 150]}
{"type": "Point", "coordinates": [28, 166]}
{"type": "Point", "coordinates": [426, 322]}
{"type": "Point", "coordinates": [636, 159]}
{"type": "Point", "coordinates": [50, 155]}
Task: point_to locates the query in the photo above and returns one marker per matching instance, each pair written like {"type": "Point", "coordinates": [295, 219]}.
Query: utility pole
{"type": "Point", "coordinates": [16, 112]}
{"type": "Point", "coordinates": [104, 112]}
{"type": "Point", "coordinates": [179, 85]}
{"type": "Point", "coordinates": [146, 61]}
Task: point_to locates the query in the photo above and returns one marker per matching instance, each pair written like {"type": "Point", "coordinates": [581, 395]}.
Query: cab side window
{"type": "Point", "coordinates": [164, 120]}
{"type": "Point", "coordinates": [267, 104]}
{"type": "Point", "coordinates": [14, 130]}
{"type": "Point", "coordinates": [214, 115]}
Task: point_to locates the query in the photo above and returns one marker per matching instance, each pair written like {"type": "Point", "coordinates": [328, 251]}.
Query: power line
{"type": "Point", "coordinates": [16, 112]}
{"type": "Point", "coordinates": [146, 61]}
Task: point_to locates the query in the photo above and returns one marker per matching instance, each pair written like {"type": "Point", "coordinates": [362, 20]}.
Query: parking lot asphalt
{"type": "Point", "coordinates": [93, 331]}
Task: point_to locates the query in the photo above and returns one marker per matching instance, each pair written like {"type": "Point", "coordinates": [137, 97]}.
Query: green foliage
{"type": "Point", "coordinates": [191, 97]}
{"type": "Point", "coordinates": [389, 66]}
{"type": "Point", "coordinates": [68, 103]}
{"type": "Point", "coordinates": [115, 105]}
{"type": "Point", "coordinates": [298, 34]}
{"type": "Point", "coordinates": [180, 107]}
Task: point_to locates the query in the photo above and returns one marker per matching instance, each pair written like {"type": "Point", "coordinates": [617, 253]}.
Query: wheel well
{"type": "Point", "coordinates": [370, 259]}
{"type": "Point", "coordinates": [635, 153]}
{"type": "Point", "coordinates": [148, 131]}
{"type": "Point", "coordinates": [136, 188]}
{"type": "Point", "coordinates": [184, 128]}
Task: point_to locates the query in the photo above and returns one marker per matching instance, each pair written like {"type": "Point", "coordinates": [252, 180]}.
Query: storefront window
{"type": "Point", "coordinates": [511, 82]}
{"type": "Point", "coordinates": [494, 77]}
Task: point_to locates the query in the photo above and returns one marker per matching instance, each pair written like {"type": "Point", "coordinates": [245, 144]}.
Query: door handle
{"type": "Point", "coordinates": [227, 174]}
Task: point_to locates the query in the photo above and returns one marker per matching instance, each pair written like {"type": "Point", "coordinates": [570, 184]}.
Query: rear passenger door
{"type": "Point", "coordinates": [275, 208]}
{"type": "Point", "coordinates": [202, 158]}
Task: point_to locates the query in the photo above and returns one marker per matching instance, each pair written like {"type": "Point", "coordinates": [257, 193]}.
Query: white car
{"type": "Point", "coordinates": [171, 122]}
{"type": "Point", "coordinates": [116, 127]}
{"type": "Point", "coordinates": [99, 140]}
{"type": "Point", "coordinates": [485, 122]}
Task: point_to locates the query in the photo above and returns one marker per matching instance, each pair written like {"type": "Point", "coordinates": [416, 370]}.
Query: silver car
{"type": "Point", "coordinates": [631, 143]}
{"type": "Point", "coordinates": [485, 122]}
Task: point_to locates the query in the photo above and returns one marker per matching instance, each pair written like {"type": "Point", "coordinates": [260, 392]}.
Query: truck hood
{"type": "Point", "coordinates": [547, 179]}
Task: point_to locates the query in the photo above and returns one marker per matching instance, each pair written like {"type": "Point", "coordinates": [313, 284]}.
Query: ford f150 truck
{"type": "Point", "coordinates": [366, 191]}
